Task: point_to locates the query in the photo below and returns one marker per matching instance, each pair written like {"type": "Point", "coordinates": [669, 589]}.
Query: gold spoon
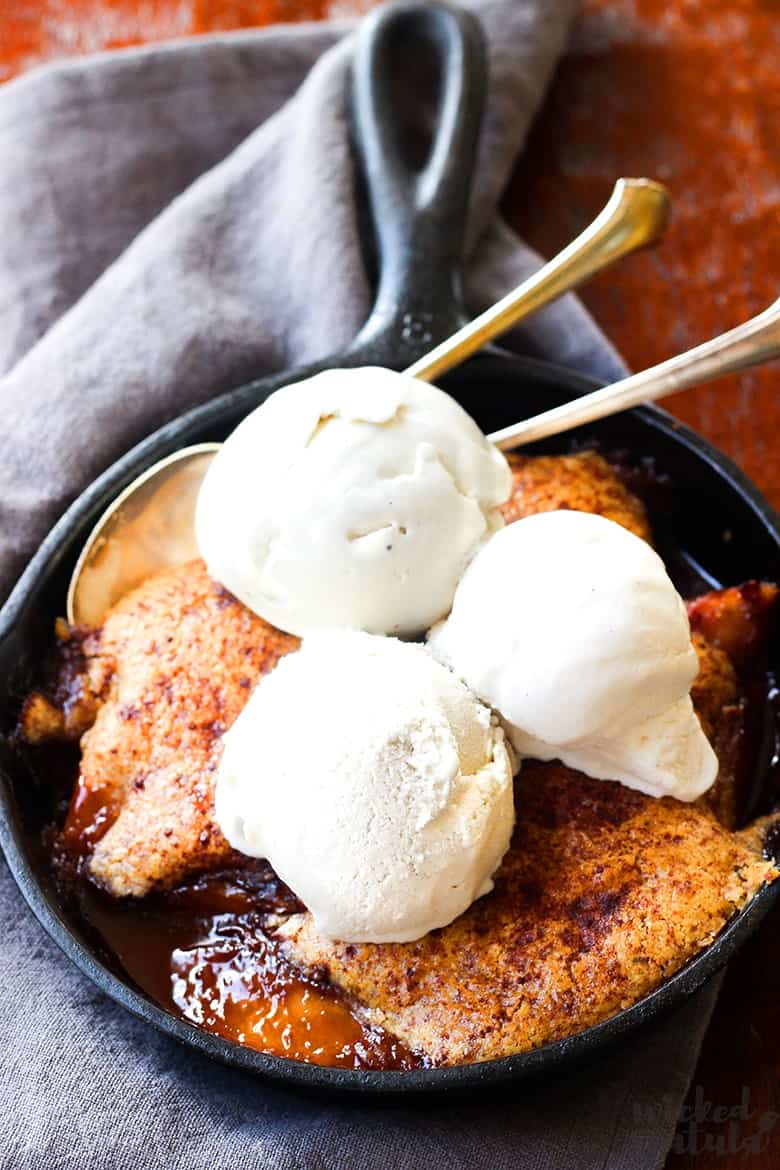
{"type": "Point", "coordinates": [151, 524]}
{"type": "Point", "coordinates": [751, 344]}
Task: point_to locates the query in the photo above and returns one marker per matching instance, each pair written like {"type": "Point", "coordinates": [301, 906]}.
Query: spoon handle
{"type": "Point", "coordinates": [635, 216]}
{"type": "Point", "coordinates": [750, 344]}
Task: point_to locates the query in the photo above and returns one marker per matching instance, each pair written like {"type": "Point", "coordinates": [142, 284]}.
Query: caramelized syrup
{"type": "Point", "coordinates": [89, 817]}
{"type": "Point", "coordinates": [206, 952]}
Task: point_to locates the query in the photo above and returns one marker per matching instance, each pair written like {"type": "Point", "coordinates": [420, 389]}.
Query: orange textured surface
{"type": "Point", "coordinates": [34, 31]}
{"type": "Point", "coordinates": [687, 91]}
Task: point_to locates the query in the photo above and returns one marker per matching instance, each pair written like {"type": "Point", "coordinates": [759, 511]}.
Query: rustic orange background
{"type": "Point", "coordinates": [687, 91]}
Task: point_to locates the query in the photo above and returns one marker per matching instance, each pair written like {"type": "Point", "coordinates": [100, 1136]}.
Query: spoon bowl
{"type": "Point", "coordinates": [149, 526]}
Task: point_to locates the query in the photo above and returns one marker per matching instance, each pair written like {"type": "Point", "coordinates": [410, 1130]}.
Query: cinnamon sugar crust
{"type": "Point", "coordinates": [603, 894]}
{"type": "Point", "coordinates": [164, 677]}
{"type": "Point", "coordinates": [583, 482]}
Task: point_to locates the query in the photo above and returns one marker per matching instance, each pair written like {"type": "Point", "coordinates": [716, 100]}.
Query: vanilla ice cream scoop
{"type": "Point", "coordinates": [569, 626]}
{"type": "Point", "coordinates": [353, 499]}
{"type": "Point", "coordinates": [372, 780]}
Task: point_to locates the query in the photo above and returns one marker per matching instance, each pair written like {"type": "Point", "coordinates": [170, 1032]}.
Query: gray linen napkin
{"type": "Point", "coordinates": [177, 219]}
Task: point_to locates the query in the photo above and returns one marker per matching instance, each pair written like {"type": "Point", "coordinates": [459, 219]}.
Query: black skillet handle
{"type": "Point", "coordinates": [418, 215]}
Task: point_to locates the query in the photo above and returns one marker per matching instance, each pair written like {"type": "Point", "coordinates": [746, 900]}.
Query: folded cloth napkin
{"type": "Point", "coordinates": [177, 219]}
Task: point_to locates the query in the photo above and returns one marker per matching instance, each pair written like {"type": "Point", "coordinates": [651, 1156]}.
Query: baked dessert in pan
{"type": "Point", "coordinates": [604, 892]}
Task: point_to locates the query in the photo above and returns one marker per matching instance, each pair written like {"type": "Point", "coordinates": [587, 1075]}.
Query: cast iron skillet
{"type": "Point", "coordinates": [717, 517]}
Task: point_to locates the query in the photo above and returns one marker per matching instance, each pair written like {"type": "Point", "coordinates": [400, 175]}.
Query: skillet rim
{"type": "Point", "coordinates": [554, 1056]}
